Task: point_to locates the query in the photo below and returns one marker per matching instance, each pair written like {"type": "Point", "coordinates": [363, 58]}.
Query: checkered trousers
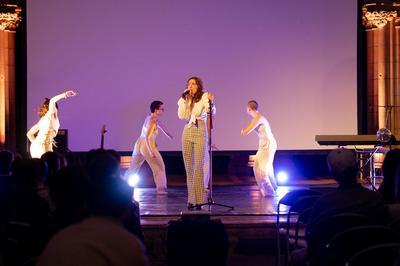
{"type": "Point", "coordinates": [194, 140]}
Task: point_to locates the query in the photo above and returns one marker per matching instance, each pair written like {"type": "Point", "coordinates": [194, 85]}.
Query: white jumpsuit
{"type": "Point", "coordinates": [48, 128]}
{"type": "Point", "coordinates": [141, 153]}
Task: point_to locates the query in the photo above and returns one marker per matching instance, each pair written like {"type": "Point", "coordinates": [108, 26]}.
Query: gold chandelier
{"type": "Point", "coordinates": [377, 15]}
{"type": "Point", "coordinates": [9, 17]}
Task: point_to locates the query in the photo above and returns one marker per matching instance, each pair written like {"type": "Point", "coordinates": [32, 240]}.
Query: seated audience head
{"type": "Point", "coordinates": [342, 163]}
{"type": "Point", "coordinates": [28, 173]}
{"type": "Point", "coordinates": [103, 164]}
{"type": "Point", "coordinates": [110, 197]}
{"type": "Point", "coordinates": [389, 185]}
{"type": "Point", "coordinates": [53, 162]}
{"type": "Point", "coordinates": [6, 159]}
{"type": "Point", "coordinates": [391, 163]}
{"type": "Point", "coordinates": [70, 180]}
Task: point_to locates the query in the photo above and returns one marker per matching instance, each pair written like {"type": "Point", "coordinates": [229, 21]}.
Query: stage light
{"type": "Point", "coordinates": [282, 177]}
{"type": "Point", "coordinates": [133, 180]}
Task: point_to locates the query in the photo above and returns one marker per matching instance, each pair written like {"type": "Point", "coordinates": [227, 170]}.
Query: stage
{"type": "Point", "coordinates": [251, 225]}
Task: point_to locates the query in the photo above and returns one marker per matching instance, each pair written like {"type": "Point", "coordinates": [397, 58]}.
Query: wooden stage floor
{"type": "Point", "coordinates": [246, 200]}
{"type": "Point", "coordinates": [251, 225]}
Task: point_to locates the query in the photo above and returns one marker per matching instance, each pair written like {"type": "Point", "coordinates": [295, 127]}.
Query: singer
{"type": "Point", "coordinates": [193, 107]}
{"type": "Point", "coordinates": [263, 162]}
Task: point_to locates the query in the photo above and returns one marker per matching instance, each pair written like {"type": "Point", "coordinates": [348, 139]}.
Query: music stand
{"type": "Point", "coordinates": [210, 200]}
{"type": "Point", "coordinates": [384, 137]}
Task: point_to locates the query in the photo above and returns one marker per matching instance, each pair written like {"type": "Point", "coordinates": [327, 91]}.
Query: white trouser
{"type": "Point", "coordinates": [141, 153]}
{"type": "Point", "coordinates": [264, 169]}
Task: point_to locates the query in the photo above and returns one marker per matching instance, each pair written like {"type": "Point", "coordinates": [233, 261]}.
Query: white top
{"type": "Point", "coordinates": [49, 123]}
{"type": "Point", "coordinates": [145, 128]}
{"type": "Point", "coordinates": [46, 129]}
{"type": "Point", "coordinates": [265, 136]}
{"type": "Point", "coordinates": [199, 111]}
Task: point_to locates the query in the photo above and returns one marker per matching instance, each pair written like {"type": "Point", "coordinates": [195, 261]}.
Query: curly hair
{"type": "Point", "coordinates": [45, 107]}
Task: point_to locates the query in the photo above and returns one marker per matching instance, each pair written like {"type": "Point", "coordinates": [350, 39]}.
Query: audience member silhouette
{"type": "Point", "coordinates": [100, 239]}
{"type": "Point", "coordinates": [350, 196]}
{"type": "Point", "coordinates": [103, 165]}
{"type": "Point", "coordinates": [68, 190]}
{"type": "Point", "coordinates": [6, 159]}
{"type": "Point", "coordinates": [390, 186]}
{"type": "Point", "coordinates": [27, 207]}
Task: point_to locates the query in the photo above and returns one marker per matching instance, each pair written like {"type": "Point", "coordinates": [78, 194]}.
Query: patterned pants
{"type": "Point", "coordinates": [264, 169]}
{"type": "Point", "coordinates": [141, 153]}
{"type": "Point", "coordinates": [194, 141]}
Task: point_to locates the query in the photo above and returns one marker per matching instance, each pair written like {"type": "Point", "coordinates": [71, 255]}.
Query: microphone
{"type": "Point", "coordinates": [186, 92]}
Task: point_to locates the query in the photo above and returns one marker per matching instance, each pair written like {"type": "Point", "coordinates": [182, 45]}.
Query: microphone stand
{"type": "Point", "coordinates": [210, 200]}
{"type": "Point", "coordinates": [372, 170]}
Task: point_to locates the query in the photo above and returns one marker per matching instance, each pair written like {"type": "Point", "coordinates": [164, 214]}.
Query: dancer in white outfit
{"type": "Point", "coordinates": [146, 148]}
{"type": "Point", "coordinates": [41, 135]}
{"type": "Point", "coordinates": [263, 162]}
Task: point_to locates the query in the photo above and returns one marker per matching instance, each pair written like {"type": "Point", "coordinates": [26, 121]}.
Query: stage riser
{"type": "Point", "coordinates": [252, 243]}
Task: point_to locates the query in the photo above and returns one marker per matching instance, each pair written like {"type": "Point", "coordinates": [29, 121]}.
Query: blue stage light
{"type": "Point", "coordinates": [133, 180]}
{"type": "Point", "coordinates": [282, 177]}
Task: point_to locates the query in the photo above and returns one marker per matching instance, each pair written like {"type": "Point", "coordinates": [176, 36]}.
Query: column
{"type": "Point", "coordinates": [9, 20]}
{"type": "Point", "coordinates": [381, 21]}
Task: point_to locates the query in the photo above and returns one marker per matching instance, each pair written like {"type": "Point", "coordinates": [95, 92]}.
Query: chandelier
{"type": "Point", "coordinates": [378, 15]}
{"type": "Point", "coordinates": [9, 17]}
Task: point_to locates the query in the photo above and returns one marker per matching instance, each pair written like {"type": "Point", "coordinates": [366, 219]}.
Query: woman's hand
{"type": "Point", "coordinates": [70, 93]}
{"type": "Point", "coordinates": [210, 96]}
{"type": "Point", "coordinates": [242, 132]}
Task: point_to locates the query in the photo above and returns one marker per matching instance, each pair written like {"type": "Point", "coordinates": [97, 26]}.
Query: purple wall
{"type": "Point", "coordinates": [297, 60]}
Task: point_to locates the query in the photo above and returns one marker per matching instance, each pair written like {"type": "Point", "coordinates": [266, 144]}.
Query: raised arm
{"type": "Point", "coordinates": [251, 126]}
{"type": "Point", "coordinates": [152, 127]}
{"type": "Point", "coordinates": [64, 95]}
{"type": "Point", "coordinates": [162, 128]}
{"type": "Point", "coordinates": [32, 132]}
{"type": "Point", "coordinates": [183, 109]}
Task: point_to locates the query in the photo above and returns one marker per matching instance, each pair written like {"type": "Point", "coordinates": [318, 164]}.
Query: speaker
{"type": "Point", "coordinates": [196, 240]}
{"type": "Point", "coordinates": [61, 141]}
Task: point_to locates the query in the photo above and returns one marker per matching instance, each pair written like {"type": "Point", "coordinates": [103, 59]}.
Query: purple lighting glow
{"type": "Point", "coordinates": [296, 60]}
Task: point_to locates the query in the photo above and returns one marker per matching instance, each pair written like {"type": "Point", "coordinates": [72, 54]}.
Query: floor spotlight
{"type": "Point", "coordinates": [282, 177]}
{"type": "Point", "coordinates": [133, 180]}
